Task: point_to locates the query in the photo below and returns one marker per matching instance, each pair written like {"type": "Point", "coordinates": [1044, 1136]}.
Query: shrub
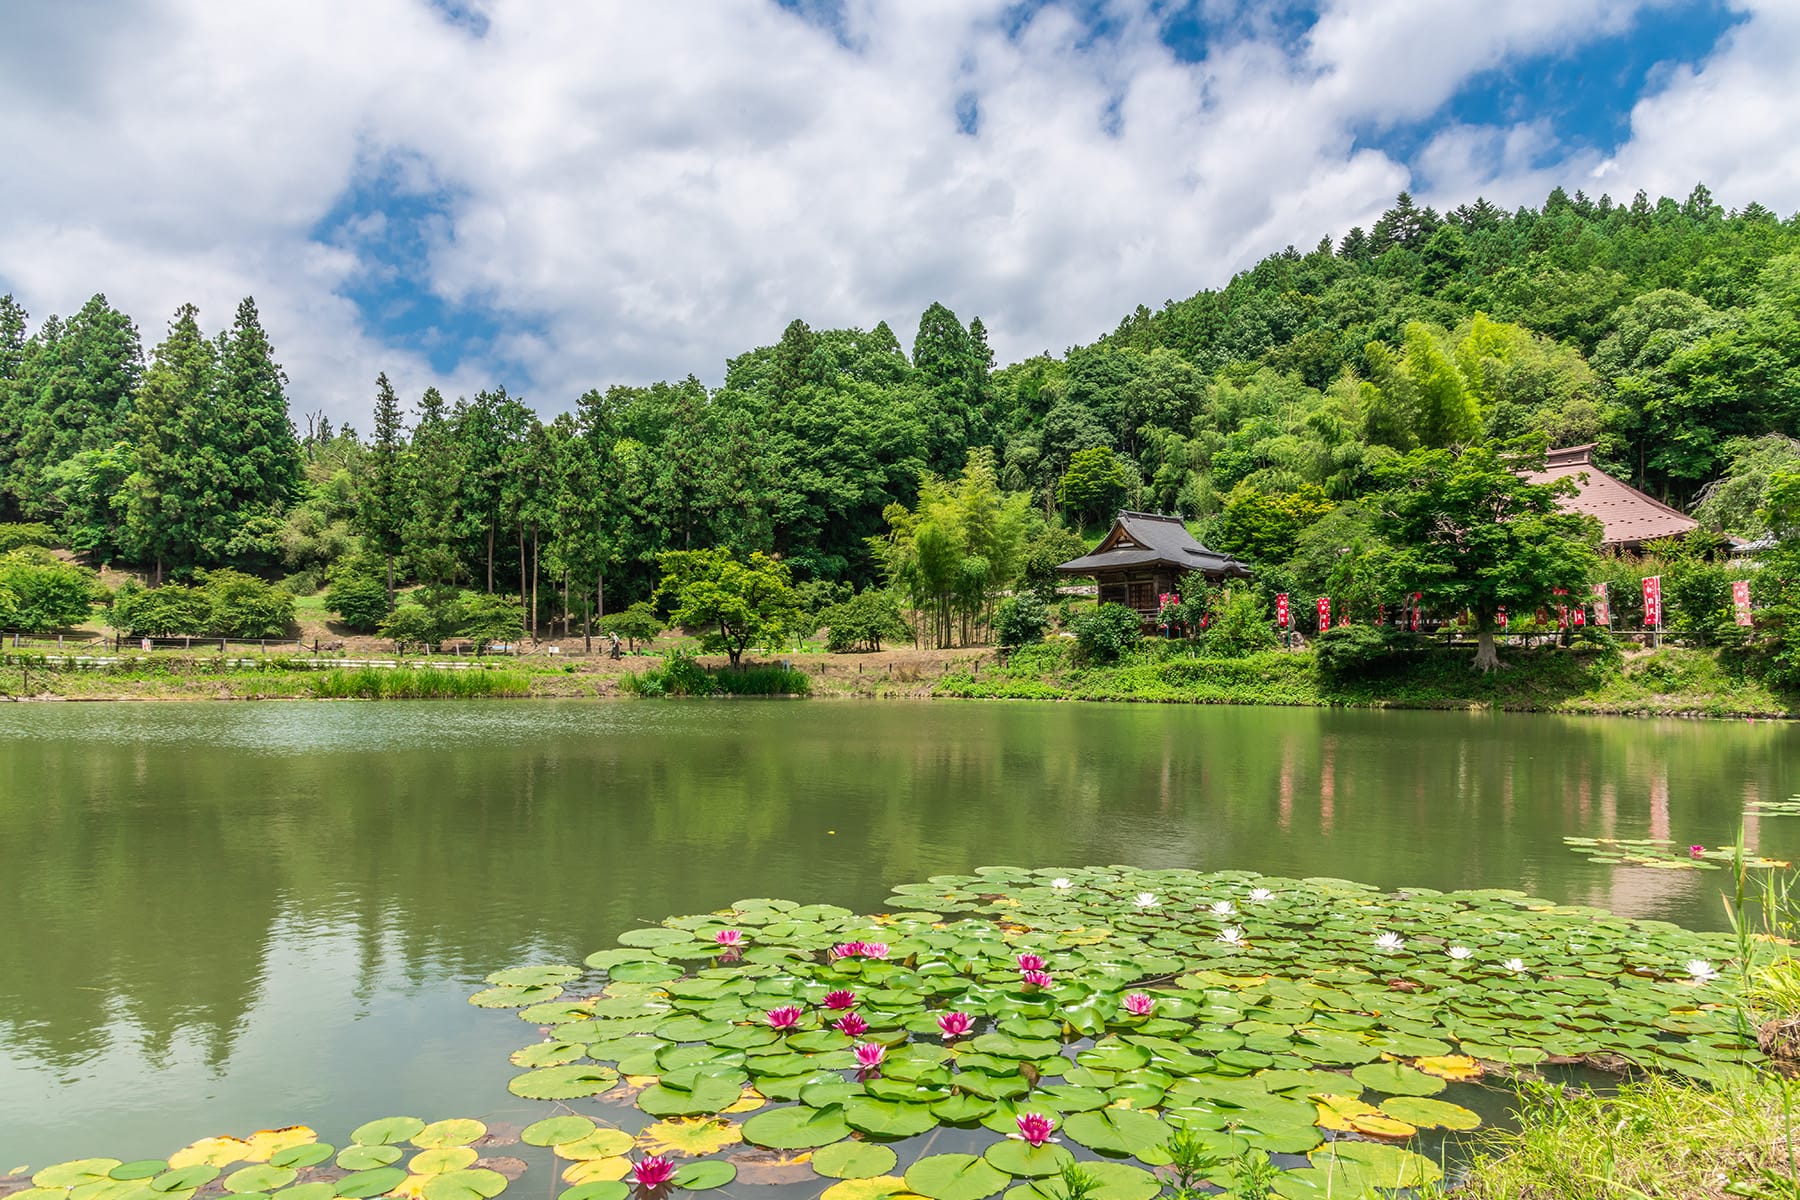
{"type": "Point", "coordinates": [25, 533]}
{"type": "Point", "coordinates": [485, 619]}
{"type": "Point", "coordinates": [1107, 631]}
{"type": "Point", "coordinates": [638, 623]}
{"type": "Point", "coordinates": [172, 610]}
{"type": "Point", "coordinates": [414, 625]}
{"type": "Point", "coordinates": [427, 683]}
{"type": "Point", "coordinates": [863, 621]}
{"type": "Point", "coordinates": [1360, 651]}
{"type": "Point", "coordinates": [1021, 620]}
{"type": "Point", "coordinates": [359, 597]}
{"type": "Point", "coordinates": [682, 675]}
{"type": "Point", "coordinates": [43, 592]}
{"type": "Point", "coordinates": [1242, 625]}
{"type": "Point", "coordinates": [243, 606]}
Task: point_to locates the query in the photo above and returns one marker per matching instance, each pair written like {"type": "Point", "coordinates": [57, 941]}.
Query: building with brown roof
{"type": "Point", "coordinates": [1143, 556]}
{"type": "Point", "coordinates": [1630, 517]}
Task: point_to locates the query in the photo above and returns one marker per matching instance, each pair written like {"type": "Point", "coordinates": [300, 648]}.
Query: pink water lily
{"type": "Point", "coordinates": [1138, 1004]}
{"type": "Point", "coordinates": [652, 1172]}
{"type": "Point", "coordinates": [840, 999]}
{"type": "Point", "coordinates": [875, 949]}
{"type": "Point", "coordinates": [1034, 1129]}
{"type": "Point", "coordinates": [728, 937]}
{"type": "Point", "coordinates": [848, 949]}
{"type": "Point", "coordinates": [870, 1054]}
{"type": "Point", "coordinates": [954, 1024]}
{"type": "Point", "coordinates": [785, 1017]}
{"type": "Point", "coordinates": [1037, 979]}
{"type": "Point", "coordinates": [1696, 851]}
{"type": "Point", "coordinates": [852, 1025]}
{"type": "Point", "coordinates": [1031, 962]}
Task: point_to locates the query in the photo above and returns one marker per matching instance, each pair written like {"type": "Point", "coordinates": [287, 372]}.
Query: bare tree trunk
{"type": "Point", "coordinates": [534, 581]}
{"type": "Point", "coordinates": [390, 569]}
{"type": "Point", "coordinates": [490, 557]}
{"type": "Point", "coordinates": [524, 585]}
{"type": "Point", "coordinates": [1487, 654]}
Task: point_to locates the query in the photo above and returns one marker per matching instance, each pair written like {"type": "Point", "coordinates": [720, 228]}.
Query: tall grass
{"type": "Point", "coordinates": [682, 676]}
{"type": "Point", "coordinates": [411, 683]}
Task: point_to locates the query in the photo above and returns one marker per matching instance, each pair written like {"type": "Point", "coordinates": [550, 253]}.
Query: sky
{"type": "Point", "coordinates": [557, 195]}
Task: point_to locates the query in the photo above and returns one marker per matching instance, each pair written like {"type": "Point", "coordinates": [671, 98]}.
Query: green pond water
{"type": "Point", "coordinates": [216, 918]}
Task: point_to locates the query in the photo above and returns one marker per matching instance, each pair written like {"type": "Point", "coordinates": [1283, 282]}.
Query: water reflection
{"type": "Point", "coordinates": [212, 911]}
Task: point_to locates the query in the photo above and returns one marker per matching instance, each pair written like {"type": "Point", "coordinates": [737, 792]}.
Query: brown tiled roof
{"type": "Point", "coordinates": [1631, 518]}
{"type": "Point", "coordinates": [1141, 539]}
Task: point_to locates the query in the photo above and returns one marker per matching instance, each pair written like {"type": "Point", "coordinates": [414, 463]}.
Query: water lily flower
{"type": "Point", "coordinates": [1231, 935]}
{"type": "Point", "coordinates": [1139, 1004]}
{"type": "Point", "coordinates": [875, 949]}
{"type": "Point", "coordinates": [1460, 952]}
{"type": "Point", "coordinates": [785, 1017]}
{"type": "Point", "coordinates": [1222, 908]}
{"type": "Point", "coordinates": [728, 937]}
{"type": "Point", "coordinates": [870, 1054]}
{"type": "Point", "coordinates": [851, 1025]}
{"type": "Point", "coordinates": [1696, 851]}
{"type": "Point", "coordinates": [1515, 965]}
{"type": "Point", "coordinates": [1259, 895]}
{"type": "Point", "coordinates": [848, 950]}
{"type": "Point", "coordinates": [1390, 943]}
{"type": "Point", "coordinates": [840, 999]}
{"type": "Point", "coordinates": [1147, 900]}
{"type": "Point", "coordinates": [652, 1171]}
{"type": "Point", "coordinates": [1031, 962]}
{"type": "Point", "coordinates": [1038, 979]}
{"type": "Point", "coordinates": [1061, 884]}
{"type": "Point", "coordinates": [1701, 970]}
{"type": "Point", "coordinates": [1034, 1129]}
{"type": "Point", "coordinates": [954, 1024]}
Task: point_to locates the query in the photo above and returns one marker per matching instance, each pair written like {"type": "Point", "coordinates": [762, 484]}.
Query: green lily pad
{"type": "Point", "coordinates": [311, 1154]}
{"type": "Point", "coordinates": [1430, 1114]}
{"type": "Point", "coordinates": [853, 1160]}
{"type": "Point", "coordinates": [146, 1168]}
{"type": "Point", "coordinates": [1397, 1079]}
{"type": "Point", "coordinates": [377, 1182]}
{"type": "Point", "coordinates": [476, 1183]}
{"type": "Point", "coordinates": [259, 1178]}
{"type": "Point", "coordinates": [703, 1175]}
{"type": "Point", "coordinates": [611, 1189]}
{"type": "Point", "coordinates": [183, 1179]}
{"type": "Point", "coordinates": [552, 1131]}
{"type": "Point", "coordinates": [799, 1128]}
{"type": "Point", "coordinates": [1024, 1161]}
{"type": "Point", "coordinates": [1117, 1131]}
{"type": "Point", "coordinates": [386, 1131]}
{"type": "Point", "coordinates": [76, 1173]}
{"type": "Point", "coordinates": [365, 1158]}
{"type": "Point", "coordinates": [562, 1083]}
{"type": "Point", "coordinates": [441, 1160]}
{"type": "Point", "coordinates": [954, 1177]}
{"type": "Point", "coordinates": [888, 1118]}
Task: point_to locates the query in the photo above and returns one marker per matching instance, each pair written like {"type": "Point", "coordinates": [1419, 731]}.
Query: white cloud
{"type": "Point", "coordinates": [642, 190]}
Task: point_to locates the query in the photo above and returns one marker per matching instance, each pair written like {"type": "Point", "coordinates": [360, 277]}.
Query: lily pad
{"type": "Point", "coordinates": [259, 1178]}
{"type": "Point", "coordinates": [552, 1130]}
{"type": "Point", "coordinates": [1397, 1079]}
{"type": "Point", "coordinates": [362, 1184]}
{"type": "Point", "coordinates": [386, 1131]}
{"type": "Point", "coordinates": [954, 1177]}
{"type": "Point", "coordinates": [474, 1184]}
{"type": "Point", "coordinates": [853, 1160]}
{"type": "Point", "coordinates": [1024, 1161]}
{"type": "Point", "coordinates": [800, 1128]}
{"type": "Point", "coordinates": [703, 1176]}
{"type": "Point", "coordinates": [562, 1083]}
{"type": "Point", "coordinates": [365, 1158]}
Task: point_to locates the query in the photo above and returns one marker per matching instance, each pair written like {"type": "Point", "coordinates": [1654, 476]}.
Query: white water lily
{"type": "Point", "coordinates": [1515, 965]}
{"type": "Point", "coordinates": [1701, 970]}
{"type": "Point", "coordinates": [1147, 900]}
{"type": "Point", "coordinates": [1222, 908]}
{"type": "Point", "coordinates": [1061, 884]}
{"type": "Point", "coordinates": [1231, 935]}
{"type": "Point", "coordinates": [1390, 942]}
{"type": "Point", "coordinates": [1258, 895]}
{"type": "Point", "coordinates": [1461, 952]}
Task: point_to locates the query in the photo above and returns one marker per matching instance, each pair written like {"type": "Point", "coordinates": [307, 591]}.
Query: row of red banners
{"type": "Point", "coordinates": [1565, 616]}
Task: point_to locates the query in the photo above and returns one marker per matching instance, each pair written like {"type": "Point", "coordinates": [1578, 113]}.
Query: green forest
{"type": "Point", "coordinates": [1267, 412]}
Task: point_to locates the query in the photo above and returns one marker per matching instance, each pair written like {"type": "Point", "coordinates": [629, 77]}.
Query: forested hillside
{"type": "Point", "coordinates": [1667, 332]}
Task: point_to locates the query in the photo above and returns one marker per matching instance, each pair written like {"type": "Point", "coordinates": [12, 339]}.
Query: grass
{"type": "Point", "coordinates": [1664, 681]}
{"type": "Point", "coordinates": [1654, 1137]}
{"type": "Point", "coordinates": [410, 683]}
{"type": "Point", "coordinates": [682, 676]}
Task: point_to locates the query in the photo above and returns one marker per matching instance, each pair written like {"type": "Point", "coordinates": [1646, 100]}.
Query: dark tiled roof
{"type": "Point", "coordinates": [1142, 539]}
{"type": "Point", "coordinates": [1631, 518]}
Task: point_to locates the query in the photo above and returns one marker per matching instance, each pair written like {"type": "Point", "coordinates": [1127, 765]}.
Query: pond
{"type": "Point", "coordinates": [220, 918]}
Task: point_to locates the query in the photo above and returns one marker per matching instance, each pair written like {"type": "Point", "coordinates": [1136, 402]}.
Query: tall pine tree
{"type": "Point", "coordinates": [173, 495]}
{"type": "Point", "coordinates": [381, 509]}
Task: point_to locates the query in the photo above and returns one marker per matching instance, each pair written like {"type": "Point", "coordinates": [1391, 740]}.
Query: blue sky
{"type": "Point", "coordinates": [557, 197]}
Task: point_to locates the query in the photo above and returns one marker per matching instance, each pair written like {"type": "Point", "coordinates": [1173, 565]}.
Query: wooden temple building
{"type": "Point", "coordinates": [1144, 556]}
{"type": "Point", "coordinates": [1630, 517]}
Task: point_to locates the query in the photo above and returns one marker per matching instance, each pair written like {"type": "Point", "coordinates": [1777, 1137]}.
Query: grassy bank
{"type": "Point", "coordinates": [209, 677]}
{"type": "Point", "coordinates": [1670, 680]}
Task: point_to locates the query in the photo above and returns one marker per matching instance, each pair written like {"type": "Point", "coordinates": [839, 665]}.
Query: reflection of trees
{"type": "Point", "coordinates": [147, 878]}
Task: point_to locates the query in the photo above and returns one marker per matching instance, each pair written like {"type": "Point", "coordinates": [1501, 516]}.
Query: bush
{"type": "Point", "coordinates": [39, 592]}
{"type": "Point", "coordinates": [172, 610]}
{"type": "Point", "coordinates": [428, 683]}
{"type": "Point", "coordinates": [1105, 632]}
{"type": "Point", "coordinates": [1242, 625]}
{"type": "Point", "coordinates": [1021, 620]}
{"type": "Point", "coordinates": [485, 619]}
{"type": "Point", "coordinates": [359, 598]}
{"type": "Point", "coordinates": [25, 533]}
{"type": "Point", "coordinates": [637, 623]}
{"type": "Point", "coordinates": [1360, 651]}
{"type": "Point", "coordinates": [863, 621]}
{"type": "Point", "coordinates": [243, 606]}
{"type": "Point", "coordinates": [682, 675]}
{"type": "Point", "coordinates": [414, 625]}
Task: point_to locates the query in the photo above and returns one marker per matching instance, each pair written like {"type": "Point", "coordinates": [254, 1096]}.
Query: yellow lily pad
{"type": "Point", "coordinates": [690, 1136]}
{"type": "Point", "coordinates": [211, 1152]}
{"type": "Point", "coordinates": [265, 1143]}
{"type": "Point", "coordinates": [1458, 1068]}
{"type": "Point", "coordinates": [604, 1142]}
{"type": "Point", "coordinates": [598, 1170]}
{"type": "Point", "coordinates": [1382, 1125]}
{"type": "Point", "coordinates": [1338, 1113]}
{"type": "Point", "coordinates": [867, 1189]}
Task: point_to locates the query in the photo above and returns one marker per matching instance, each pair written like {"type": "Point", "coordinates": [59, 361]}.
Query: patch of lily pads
{"type": "Point", "coordinates": [1044, 1017]}
{"type": "Point", "coordinates": [1666, 855]}
{"type": "Point", "coordinates": [402, 1157]}
{"type": "Point", "coordinates": [1775, 808]}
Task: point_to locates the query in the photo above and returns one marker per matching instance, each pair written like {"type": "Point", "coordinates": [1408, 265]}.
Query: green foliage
{"type": "Point", "coordinates": [681, 675]}
{"type": "Point", "coordinates": [421, 683]}
{"type": "Point", "coordinates": [39, 593]}
{"type": "Point", "coordinates": [637, 623]}
{"type": "Point", "coordinates": [1020, 620]}
{"type": "Point", "coordinates": [1046, 549]}
{"type": "Point", "coordinates": [24, 533]}
{"type": "Point", "coordinates": [731, 604]}
{"type": "Point", "coordinates": [359, 596]}
{"type": "Point", "coordinates": [222, 603]}
{"type": "Point", "coordinates": [864, 621]}
{"type": "Point", "coordinates": [1093, 486]}
{"type": "Point", "coordinates": [1358, 651]}
{"type": "Point", "coordinates": [1242, 624]}
{"type": "Point", "coordinates": [1106, 631]}
{"type": "Point", "coordinates": [415, 624]}
{"type": "Point", "coordinates": [486, 619]}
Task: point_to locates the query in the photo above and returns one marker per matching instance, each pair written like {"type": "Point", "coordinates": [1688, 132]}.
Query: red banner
{"type": "Point", "coordinates": [1562, 608]}
{"type": "Point", "coordinates": [1281, 610]}
{"type": "Point", "coordinates": [1580, 616]}
{"type": "Point", "coordinates": [1416, 597]}
{"type": "Point", "coordinates": [1503, 620]}
{"type": "Point", "coordinates": [1602, 605]}
{"type": "Point", "coordinates": [1740, 600]}
{"type": "Point", "coordinates": [1324, 613]}
{"type": "Point", "coordinates": [1653, 602]}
